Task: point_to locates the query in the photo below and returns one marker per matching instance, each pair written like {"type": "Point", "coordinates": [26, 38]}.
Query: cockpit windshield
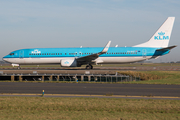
{"type": "Point", "coordinates": [11, 54]}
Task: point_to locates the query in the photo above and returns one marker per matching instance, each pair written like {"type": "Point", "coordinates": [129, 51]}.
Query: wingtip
{"type": "Point", "coordinates": [106, 47]}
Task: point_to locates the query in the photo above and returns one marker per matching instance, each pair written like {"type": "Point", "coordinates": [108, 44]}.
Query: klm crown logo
{"type": "Point", "coordinates": [36, 51]}
{"type": "Point", "coordinates": [161, 33]}
{"type": "Point", "coordinates": [161, 36]}
{"type": "Point", "coordinates": [66, 62]}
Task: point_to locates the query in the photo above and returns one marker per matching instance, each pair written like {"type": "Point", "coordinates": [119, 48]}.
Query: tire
{"type": "Point", "coordinates": [89, 67]}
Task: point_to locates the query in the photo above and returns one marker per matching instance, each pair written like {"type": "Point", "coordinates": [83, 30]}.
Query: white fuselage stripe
{"type": "Point", "coordinates": [56, 60]}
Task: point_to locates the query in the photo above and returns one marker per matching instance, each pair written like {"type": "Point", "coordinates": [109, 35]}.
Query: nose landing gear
{"type": "Point", "coordinates": [18, 67]}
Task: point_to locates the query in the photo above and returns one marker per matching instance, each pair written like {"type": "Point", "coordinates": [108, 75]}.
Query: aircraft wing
{"type": "Point", "coordinates": [89, 58]}
{"type": "Point", "coordinates": [167, 48]}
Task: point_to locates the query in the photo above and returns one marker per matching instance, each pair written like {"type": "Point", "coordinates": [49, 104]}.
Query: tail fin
{"type": "Point", "coordinates": [162, 36]}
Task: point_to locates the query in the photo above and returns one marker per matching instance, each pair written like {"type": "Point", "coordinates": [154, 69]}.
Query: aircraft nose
{"type": "Point", "coordinates": [4, 58]}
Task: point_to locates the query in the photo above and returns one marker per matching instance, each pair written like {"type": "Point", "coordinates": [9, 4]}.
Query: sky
{"type": "Point", "coordinates": [87, 23]}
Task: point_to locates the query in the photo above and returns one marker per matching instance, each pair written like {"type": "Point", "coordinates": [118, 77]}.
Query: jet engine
{"type": "Point", "coordinates": [68, 63]}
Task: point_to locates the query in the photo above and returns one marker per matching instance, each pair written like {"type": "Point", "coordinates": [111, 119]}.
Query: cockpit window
{"type": "Point", "coordinates": [11, 54]}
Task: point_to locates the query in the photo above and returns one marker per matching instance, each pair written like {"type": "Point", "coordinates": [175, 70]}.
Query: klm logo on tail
{"type": "Point", "coordinates": [161, 36]}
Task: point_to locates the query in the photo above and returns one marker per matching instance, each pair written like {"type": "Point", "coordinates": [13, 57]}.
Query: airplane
{"type": "Point", "coordinates": [156, 46]}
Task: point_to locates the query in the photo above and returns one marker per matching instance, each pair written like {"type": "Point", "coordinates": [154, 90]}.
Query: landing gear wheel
{"type": "Point", "coordinates": [89, 67]}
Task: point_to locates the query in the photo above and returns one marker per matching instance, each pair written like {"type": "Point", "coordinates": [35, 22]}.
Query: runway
{"type": "Point", "coordinates": [96, 70]}
{"type": "Point", "coordinates": [139, 68]}
{"type": "Point", "coordinates": [91, 89]}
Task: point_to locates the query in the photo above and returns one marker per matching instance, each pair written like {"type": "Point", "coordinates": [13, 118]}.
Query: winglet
{"type": "Point", "coordinates": [89, 58]}
{"type": "Point", "coordinates": [106, 47]}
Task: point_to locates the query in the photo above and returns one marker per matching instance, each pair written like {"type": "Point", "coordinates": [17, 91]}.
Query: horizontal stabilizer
{"type": "Point", "coordinates": [167, 48]}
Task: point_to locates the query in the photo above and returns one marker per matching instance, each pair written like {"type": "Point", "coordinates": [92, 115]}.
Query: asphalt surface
{"type": "Point", "coordinates": [139, 68]}
{"type": "Point", "coordinates": [91, 89]}
{"type": "Point", "coordinates": [52, 71]}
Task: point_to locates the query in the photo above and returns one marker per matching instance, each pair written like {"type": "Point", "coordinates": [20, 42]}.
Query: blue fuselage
{"type": "Point", "coordinates": [75, 57]}
{"type": "Point", "coordinates": [80, 52]}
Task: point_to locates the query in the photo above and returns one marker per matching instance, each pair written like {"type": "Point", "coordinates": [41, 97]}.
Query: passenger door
{"type": "Point", "coordinates": [21, 54]}
{"type": "Point", "coordinates": [144, 52]}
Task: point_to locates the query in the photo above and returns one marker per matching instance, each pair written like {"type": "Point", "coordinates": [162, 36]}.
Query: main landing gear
{"type": "Point", "coordinates": [89, 66]}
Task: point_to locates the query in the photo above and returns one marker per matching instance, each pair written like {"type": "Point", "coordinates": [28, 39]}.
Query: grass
{"type": "Point", "coordinates": [88, 108]}
{"type": "Point", "coordinates": [145, 75]}
{"type": "Point", "coordinates": [155, 77]}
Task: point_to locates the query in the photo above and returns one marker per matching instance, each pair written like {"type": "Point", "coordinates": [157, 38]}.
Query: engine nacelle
{"type": "Point", "coordinates": [15, 65]}
{"type": "Point", "coordinates": [68, 63]}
